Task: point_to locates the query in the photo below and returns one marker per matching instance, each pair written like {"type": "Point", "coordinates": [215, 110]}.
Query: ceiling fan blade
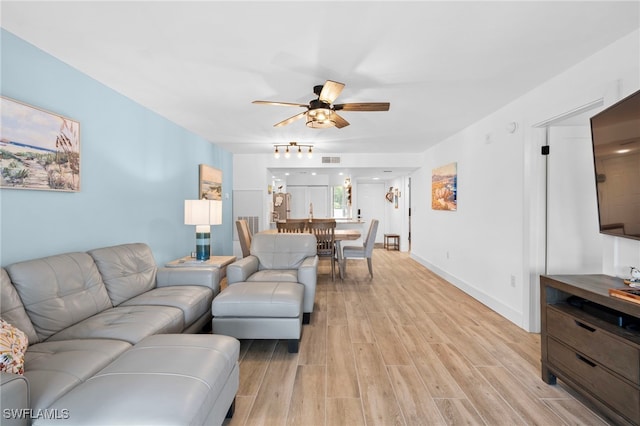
{"type": "Point", "coordinates": [330, 91]}
{"type": "Point", "coordinates": [290, 119]}
{"type": "Point", "coordinates": [279, 103]}
{"type": "Point", "coordinates": [363, 106]}
{"type": "Point", "coordinates": [340, 122]}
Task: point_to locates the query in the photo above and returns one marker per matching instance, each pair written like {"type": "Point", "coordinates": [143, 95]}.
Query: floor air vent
{"type": "Point", "coordinates": [330, 160]}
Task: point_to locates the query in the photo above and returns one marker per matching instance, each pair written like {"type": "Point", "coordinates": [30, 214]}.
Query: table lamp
{"type": "Point", "coordinates": [203, 214]}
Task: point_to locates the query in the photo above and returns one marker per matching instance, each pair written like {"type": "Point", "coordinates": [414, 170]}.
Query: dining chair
{"type": "Point", "coordinates": [325, 232]}
{"type": "Point", "coordinates": [362, 252]}
{"type": "Point", "coordinates": [244, 235]}
{"type": "Point", "coordinates": [292, 226]}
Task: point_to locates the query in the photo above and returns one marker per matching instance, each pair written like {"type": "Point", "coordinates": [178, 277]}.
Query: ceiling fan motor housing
{"type": "Point", "coordinates": [317, 103]}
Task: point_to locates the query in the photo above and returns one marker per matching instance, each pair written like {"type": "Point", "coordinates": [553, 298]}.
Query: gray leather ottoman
{"type": "Point", "coordinates": [170, 379]}
{"type": "Point", "coordinates": [260, 310]}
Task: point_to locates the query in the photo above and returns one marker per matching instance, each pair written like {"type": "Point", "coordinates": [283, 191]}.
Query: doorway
{"type": "Point", "coordinates": [552, 203]}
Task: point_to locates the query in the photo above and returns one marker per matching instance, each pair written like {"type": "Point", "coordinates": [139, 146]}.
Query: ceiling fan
{"type": "Point", "coordinates": [321, 112]}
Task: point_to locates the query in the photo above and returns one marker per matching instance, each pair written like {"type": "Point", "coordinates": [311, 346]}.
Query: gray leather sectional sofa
{"type": "Point", "coordinates": [112, 341]}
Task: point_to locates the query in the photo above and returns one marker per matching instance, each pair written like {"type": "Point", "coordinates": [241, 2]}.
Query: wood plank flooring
{"type": "Point", "coordinates": [405, 348]}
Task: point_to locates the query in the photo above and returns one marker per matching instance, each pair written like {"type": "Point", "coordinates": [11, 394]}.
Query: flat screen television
{"type": "Point", "coordinates": [615, 136]}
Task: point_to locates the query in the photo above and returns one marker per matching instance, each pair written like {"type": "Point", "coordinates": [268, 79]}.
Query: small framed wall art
{"type": "Point", "coordinates": [210, 187]}
{"type": "Point", "coordinates": [444, 187]}
{"type": "Point", "coordinates": [38, 149]}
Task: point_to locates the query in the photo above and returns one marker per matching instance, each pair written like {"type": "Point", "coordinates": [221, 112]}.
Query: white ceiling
{"type": "Point", "coordinates": [441, 65]}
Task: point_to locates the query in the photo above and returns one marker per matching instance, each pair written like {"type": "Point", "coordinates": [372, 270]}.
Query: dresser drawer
{"type": "Point", "coordinates": [613, 391]}
{"type": "Point", "coordinates": [597, 344]}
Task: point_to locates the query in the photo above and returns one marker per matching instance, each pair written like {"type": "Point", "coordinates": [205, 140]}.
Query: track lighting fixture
{"type": "Point", "coordinates": [293, 146]}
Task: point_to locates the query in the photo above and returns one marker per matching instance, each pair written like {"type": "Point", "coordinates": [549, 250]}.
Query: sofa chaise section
{"type": "Point", "coordinates": [186, 379]}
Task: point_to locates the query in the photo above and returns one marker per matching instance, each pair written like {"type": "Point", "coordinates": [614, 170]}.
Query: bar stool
{"type": "Point", "coordinates": [392, 242]}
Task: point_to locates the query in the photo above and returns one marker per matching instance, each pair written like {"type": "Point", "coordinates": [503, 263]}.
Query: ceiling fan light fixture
{"type": "Point", "coordinates": [320, 113]}
{"type": "Point", "coordinates": [320, 118]}
{"type": "Point", "coordinates": [314, 124]}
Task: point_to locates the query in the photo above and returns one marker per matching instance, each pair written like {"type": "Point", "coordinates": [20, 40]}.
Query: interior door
{"type": "Point", "coordinates": [371, 203]}
{"type": "Point", "coordinates": [303, 196]}
{"type": "Point", "coordinates": [574, 244]}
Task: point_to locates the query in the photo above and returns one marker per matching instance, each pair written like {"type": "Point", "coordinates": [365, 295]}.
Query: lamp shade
{"type": "Point", "coordinates": [202, 212]}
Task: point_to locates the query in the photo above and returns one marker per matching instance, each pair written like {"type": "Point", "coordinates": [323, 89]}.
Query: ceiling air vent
{"type": "Point", "coordinates": [330, 160]}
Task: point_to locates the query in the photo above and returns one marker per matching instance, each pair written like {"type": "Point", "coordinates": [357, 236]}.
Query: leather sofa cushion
{"type": "Point", "coordinates": [282, 251]}
{"type": "Point", "coordinates": [128, 323]}
{"type": "Point", "coordinates": [54, 368]}
{"type": "Point", "coordinates": [59, 291]}
{"type": "Point", "coordinates": [127, 270]}
{"type": "Point", "coordinates": [193, 300]}
{"type": "Point", "coordinates": [177, 378]}
{"type": "Point", "coordinates": [12, 309]}
{"type": "Point", "coordinates": [259, 300]}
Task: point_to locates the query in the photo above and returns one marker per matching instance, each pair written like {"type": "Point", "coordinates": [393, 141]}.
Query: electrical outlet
{"type": "Point", "coordinates": [513, 281]}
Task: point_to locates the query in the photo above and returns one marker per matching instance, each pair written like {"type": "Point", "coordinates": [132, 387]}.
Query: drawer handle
{"type": "Point", "coordinates": [585, 326]}
{"type": "Point", "coordinates": [586, 361]}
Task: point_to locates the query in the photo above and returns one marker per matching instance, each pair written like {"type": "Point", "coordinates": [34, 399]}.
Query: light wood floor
{"type": "Point", "coordinates": [406, 348]}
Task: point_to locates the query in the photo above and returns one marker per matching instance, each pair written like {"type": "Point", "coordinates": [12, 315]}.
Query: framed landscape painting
{"type": "Point", "coordinates": [444, 187]}
{"type": "Point", "coordinates": [38, 149]}
{"type": "Point", "coordinates": [210, 183]}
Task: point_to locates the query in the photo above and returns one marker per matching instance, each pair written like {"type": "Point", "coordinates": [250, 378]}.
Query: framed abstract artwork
{"type": "Point", "coordinates": [444, 187]}
{"type": "Point", "coordinates": [38, 149]}
{"type": "Point", "coordinates": [210, 187]}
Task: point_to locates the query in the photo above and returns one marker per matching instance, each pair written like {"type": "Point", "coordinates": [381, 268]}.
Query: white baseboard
{"type": "Point", "coordinates": [484, 298]}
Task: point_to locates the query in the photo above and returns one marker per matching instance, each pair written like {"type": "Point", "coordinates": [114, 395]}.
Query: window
{"type": "Point", "coordinates": [340, 202]}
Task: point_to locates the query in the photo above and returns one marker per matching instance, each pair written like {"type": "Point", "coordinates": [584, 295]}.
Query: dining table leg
{"type": "Point", "coordinates": [340, 258]}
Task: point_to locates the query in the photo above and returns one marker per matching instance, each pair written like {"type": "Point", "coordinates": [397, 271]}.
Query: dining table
{"type": "Point", "coordinates": [340, 235]}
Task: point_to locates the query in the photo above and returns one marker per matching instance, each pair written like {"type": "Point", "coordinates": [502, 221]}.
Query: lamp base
{"type": "Point", "coordinates": [203, 245]}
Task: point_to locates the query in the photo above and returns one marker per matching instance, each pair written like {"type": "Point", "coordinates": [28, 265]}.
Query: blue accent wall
{"type": "Point", "coordinates": [136, 169]}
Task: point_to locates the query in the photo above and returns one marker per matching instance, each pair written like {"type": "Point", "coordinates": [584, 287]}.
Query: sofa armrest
{"type": "Point", "coordinates": [241, 270]}
{"type": "Point", "coordinates": [14, 399]}
{"type": "Point", "coordinates": [207, 277]}
{"type": "Point", "coordinates": [308, 275]}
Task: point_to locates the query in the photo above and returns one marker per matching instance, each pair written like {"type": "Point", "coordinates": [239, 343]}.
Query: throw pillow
{"type": "Point", "coordinates": [13, 344]}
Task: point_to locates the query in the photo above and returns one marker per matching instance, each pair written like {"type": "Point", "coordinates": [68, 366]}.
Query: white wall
{"type": "Point", "coordinates": [490, 247]}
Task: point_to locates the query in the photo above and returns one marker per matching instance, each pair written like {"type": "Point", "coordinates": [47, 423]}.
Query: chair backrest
{"type": "Point", "coordinates": [371, 238]}
{"type": "Point", "coordinates": [324, 230]}
{"type": "Point", "coordinates": [282, 251]}
{"type": "Point", "coordinates": [244, 235]}
{"type": "Point", "coordinates": [292, 226]}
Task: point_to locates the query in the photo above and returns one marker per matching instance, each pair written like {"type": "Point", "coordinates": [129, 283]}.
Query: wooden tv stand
{"type": "Point", "coordinates": [594, 350]}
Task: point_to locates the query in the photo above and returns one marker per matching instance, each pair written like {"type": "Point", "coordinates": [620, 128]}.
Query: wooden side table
{"type": "Point", "coordinates": [219, 262]}
{"type": "Point", "coordinates": [392, 242]}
